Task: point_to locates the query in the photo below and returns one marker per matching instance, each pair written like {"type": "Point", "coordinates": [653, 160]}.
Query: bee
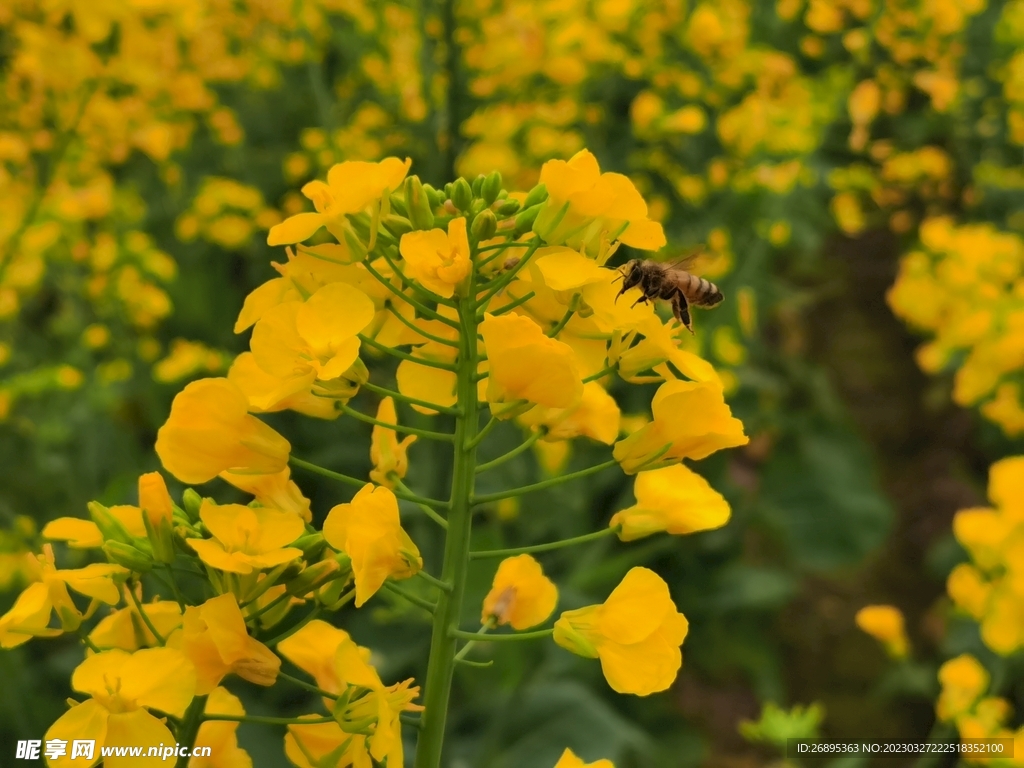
{"type": "Point", "coordinates": [671, 283]}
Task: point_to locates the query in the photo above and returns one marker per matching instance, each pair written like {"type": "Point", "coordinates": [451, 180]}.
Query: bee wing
{"type": "Point", "coordinates": [687, 261]}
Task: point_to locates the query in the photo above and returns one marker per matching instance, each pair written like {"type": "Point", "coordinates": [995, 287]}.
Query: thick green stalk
{"type": "Point", "coordinates": [189, 728]}
{"type": "Point", "coordinates": [443, 645]}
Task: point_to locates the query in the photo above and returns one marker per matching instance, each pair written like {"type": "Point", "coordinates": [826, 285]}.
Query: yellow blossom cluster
{"type": "Point", "coordinates": [990, 588]}
{"type": "Point", "coordinates": [85, 90]}
{"type": "Point", "coordinates": [962, 702]}
{"type": "Point", "coordinates": [964, 287]}
{"type": "Point", "coordinates": [476, 303]}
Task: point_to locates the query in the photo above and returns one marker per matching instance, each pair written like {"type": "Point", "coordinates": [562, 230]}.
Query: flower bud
{"type": "Point", "coordinates": [130, 557]}
{"type": "Point", "coordinates": [477, 185]}
{"type": "Point", "coordinates": [508, 208]}
{"type": "Point", "coordinates": [397, 225]}
{"type": "Point", "coordinates": [110, 527]}
{"type": "Point", "coordinates": [161, 538]}
{"type": "Point", "coordinates": [536, 195]}
{"type": "Point", "coordinates": [312, 577]}
{"type": "Point", "coordinates": [191, 501]}
{"type": "Point", "coordinates": [462, 195]}
{"type": "Point", "coordinates": [484, 225]}
{"type": "Point", "coordinates": [397, 203]}
{"type": "Point", "coordinates": [311, 545]}
{"type": "Point", "coordinates": [419, 206]}
{"type": "Point", "coordinates": [490, 187]}
{"type": "Point", "coordinates": [434, 196]}
{"type": "Point", "coordinates": [524, 221]}
{"type": "Point", "coordinates": [154, 499]}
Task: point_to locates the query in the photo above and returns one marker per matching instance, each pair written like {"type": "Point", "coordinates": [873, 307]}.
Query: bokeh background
{"type": "Point", "coordinates": [853, 169]}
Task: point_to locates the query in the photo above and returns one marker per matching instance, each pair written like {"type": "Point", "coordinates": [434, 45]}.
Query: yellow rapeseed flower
{"type": "Point", "coordinates": [210, 430]}
{"type": "Point", "coordinates": [277, 491]}
{"type": "Point", "coordinates": [215, 640]}
{"type": "Point", "coordinates": [126, 630]}
{"type": "Point", "coordinates": [30, 615]}
{"type": "Point", "coordinates": [388, 454]}
{"type": "Point", "coordinates": [263, 391]}
{"type": "Point", "coordinates": [369, 531]}
{"type": "Point", "coordinates": [312, 649]}
{"type": "Point", "coordinates": [521, 595]}
{"type": "Point", "coordinates": [351, 187]}
{"type": "Point", "coordinates": [588, 208]}
{"type": "Point", "coordinates": [885, 624]}
{"type": "Point", "coordinates": [596, 416]}
{"type": "Point", "coordinates": [673, 499]}
{"type": "Point", "coordinates": [246, 539]}
{"type": "Point", "coordinates": [517, 348]}
{"type": "Point", "coordinates": [963, 681]}
{"type": "Point", "coordinates": [636, 633]}
{"type": "Point", "coordinates": [570, 760]}
{"type": "Point", "coordinates": [368, 724]}
{"type": "Point", "coordinates": [691, 421]}
{"type": "Point", "coordinates": [154, 499]}
{"type": "Point", "coordinates": [122, 686]}
{"type": "Point", "coordinates": [439, 261]}
{"type": "Point", "coordinates": [299, 342]}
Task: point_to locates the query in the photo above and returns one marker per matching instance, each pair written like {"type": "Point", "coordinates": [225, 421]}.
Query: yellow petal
{"type": "Point", "coordinates": [162, 678]}
{"type": "Point", "coordinates": [295, 229]}
{"type": "Point", "coordinates": [79, 534]}
{"type": "Point", "coordinates": [138, 728]}
{"type": "Point", "coordinates": [336, 312]}
{"type": "Point", "coordinates": [84, 722]}
{"type": "Point", "coordinates": [636, 607]}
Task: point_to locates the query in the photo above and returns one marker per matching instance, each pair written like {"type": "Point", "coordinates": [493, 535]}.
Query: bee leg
{"type": "Point", "coordinates": [641, 300]}
{"type": "Point", "coordinates": [681, 310]}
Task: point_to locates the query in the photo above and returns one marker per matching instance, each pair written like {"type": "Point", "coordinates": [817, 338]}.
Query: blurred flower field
{"type": "Point", "coordinates": [319, 365]}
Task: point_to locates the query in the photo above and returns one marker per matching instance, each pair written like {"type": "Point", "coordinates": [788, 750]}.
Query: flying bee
{"type": "Point", "coordinates": [671, 283]}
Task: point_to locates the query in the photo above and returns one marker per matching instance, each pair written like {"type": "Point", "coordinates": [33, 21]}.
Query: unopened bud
{"type": "Point", "coordinates": [462, 195]}
{"type": "Point", "coordinates": [484, 225]}
{"type": "Point", "coordinates": [434, 196]}
{"type": "Point", "coordinates": [191, 501]}
{"type": "Point", "coordinates": [110, 527]}
{"type": "Point", "coordinates": [311, 545]}
{"type": "Point", "coordinates": [490, 187]}
{"type": "Point", "coordinates": [312, 577]}
{"type": "Point", "coordinates": [397, 225]}
{"type": "Point", "coordinates": [154, 499]}
{"type": "Point", "coordinates": [416, 201]}
{"type": "Point", "coordinates": [508, 208]}
{"type": "Point", "coordinates": [477, 185]}
{"type": "Point", "coordinates": [130, 557]}
{"type": "Point", "coordinates": [536, 195]}
{"type": "Point", "coordinates": [161, 538]}
{"type": "Point", "coordinates": [524, 221]}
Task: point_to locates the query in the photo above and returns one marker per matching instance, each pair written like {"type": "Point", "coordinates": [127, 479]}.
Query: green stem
{"type": "Point", "coordinates": [87, 641]}
{"type": "Point", "coordinates": [307, 686]}
{"type": "Point", "coordinates": [272, 604]}
{"type": "Point", "coordinates": [444, 437]}
{"type": "Point", "coordinates": [410, 597]}
{"type": "Point", "coordinates": [600, 374]}
{"type": "Point", "coordinates": [487, 627]}
{"type": "Point", "coordinates": [410, 324]}
{"type": "Point", "coordinates": [145, 619]}
{"type": "Point", "coordinates": [523, 446]}
{"type": "Point", "coordinates": [512, 637]}
{"type": "Point", "coordinates": [268, 581]}
{"type": "Point", "coordinates": [404, 355]}
{"type": "Point", "coordinates": [480, 554]}
{"type": "Point", "coordinates": [444, 586]}
{"type": "Point", "coordinates": [188, 728]}
{"type": "Point", "coordinates": [573, 306]}
{"type": "Point", "coordinates": [178, 596]}
{"type": "Point", "coordinates": [513, 304]}
{"type": "Point", "coordinates": [357, 483]}
{"type": "Point", "coordinates": [422, 308]}
{"type": "Point", "coordinates": [545, 483]}
{"type": "Point", "coordinates": [454, 569]}
{"type": "Point", "coordinates": [425, 509]}
{"type": "Point", "coordinates": [385, 392]}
